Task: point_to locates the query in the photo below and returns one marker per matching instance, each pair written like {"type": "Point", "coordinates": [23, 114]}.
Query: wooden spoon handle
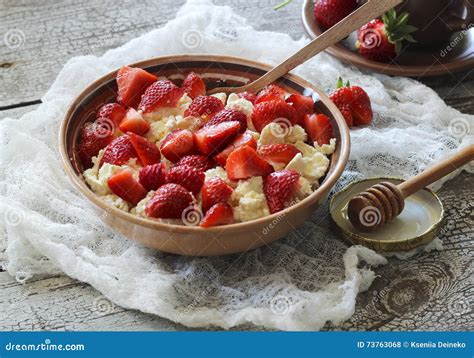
{"type": "Point", "coordinates": [367, 12]}
{"type": "Point", "coordinates": [436, 172]}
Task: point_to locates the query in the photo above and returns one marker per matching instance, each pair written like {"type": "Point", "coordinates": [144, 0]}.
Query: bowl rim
{"type": "Point", "coordinates": [80, 184]}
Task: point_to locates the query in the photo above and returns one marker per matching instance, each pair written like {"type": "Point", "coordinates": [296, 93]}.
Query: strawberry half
{"type": "Point", "coordinates": [219, 214]}
{"type": "Point", "coordinates": [119, 151]}
{"type": "Point", "coordinates": [193, 85]}
{"type": "Point", "coordinates": [249, 96]}
{"type": "Point", "coordinates": [134, 122]}
{"type": "Point", "coordinates": [162, 93]}
{"type": "Point", "coordinates": [126, 187]}
{"type": "Point", "coordinates": [177, 145]}
{"type": "Point", "coordinates": [302, 104]}
{"type": "Point", "coordinates": [228, 115]}
{"type": "Point", "coordinates": [280, 189]}
{"type": "Point", "coordinates": [168, 202]}
{"type": "Point", "coordinates": [197, 161]}
{"type": "Point", "coordinates": [147, 152]}
{"type": "Point", "coordinates": [329, 12]}
{"type": "Point", "coordinates": [270, 93]}
{"type": "Point", "coordinates": [205, 106]}
{"type": "Point", "coordinates": [189, 177]}
{"type": "Point", "coordinates": [244, 163]}
{"type": "Point", "coordinates": [319, 128]}
{"type": "Point", "coordinates": [214, 191]}
{"type": "Point", "coordinates": [278, 153]}
{"type": "Point", "coordinates": [212, 139]}
{"type": "Point", "coordinates": [245, 138]}
{"type": "Point", "coordinates": [267, 112]}
{"type": "Point", "coordinates": [132, 83]}
{"type": "Point", "coordinates": [94, 137]}
{"type": "Point", "coordinates": [151, 177]}
{"type": "Point", "coordinates": [113, 111]}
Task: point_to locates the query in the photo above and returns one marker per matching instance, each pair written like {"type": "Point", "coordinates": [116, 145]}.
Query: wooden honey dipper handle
{"type": "Point", "coordinates": [436, 172]}
{"type": "Point", "coordinates": [375, 206]}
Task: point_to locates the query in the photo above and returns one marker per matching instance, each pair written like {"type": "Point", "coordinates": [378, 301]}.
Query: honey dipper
{"type": "Point", "coordinates": [372, 208]}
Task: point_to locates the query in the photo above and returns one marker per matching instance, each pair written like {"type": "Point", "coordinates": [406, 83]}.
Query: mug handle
{"type": "Point", "coordinates": [455, 23]}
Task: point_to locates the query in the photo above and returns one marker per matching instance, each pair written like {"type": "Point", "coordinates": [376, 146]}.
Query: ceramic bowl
{"type": "Point", "coordinates": [194, 240]}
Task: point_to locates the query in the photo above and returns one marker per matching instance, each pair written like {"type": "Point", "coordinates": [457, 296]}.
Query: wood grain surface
{"type": "Point", "coordinates": [434, 291]}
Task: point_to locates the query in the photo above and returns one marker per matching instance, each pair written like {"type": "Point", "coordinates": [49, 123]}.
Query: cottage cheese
{"type": "Point", "coordinates": [117, 202]}
{"type": "Point", "coordinates": [221, 173]}
{"type": "Point", "coordinates": [165, 112]}
{"type": "Point", "coordinates": [242, 105]}
{"type": "Point", "coordinates": [275, 133]}
{"type": "Point", "coordinates": [249, 200]}
{"type": "Point", "coordinates": [221, 95]}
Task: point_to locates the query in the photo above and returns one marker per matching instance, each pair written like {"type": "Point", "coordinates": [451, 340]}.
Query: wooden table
{"type": "Point", "coordinates": [431, 292]}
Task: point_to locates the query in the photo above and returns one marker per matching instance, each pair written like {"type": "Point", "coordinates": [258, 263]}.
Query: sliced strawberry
{"type": "Point", "coordinates": [280, 189]}
{"type": "Point", "coordinates": [214, 191]}
{"type": "Point", "coordinates": [177, 145]}
{"type": "Point", "coordinates": [132, 83]}
{"type": "Point", "coordinates": [270, 111]}
{"type": "Point", "coordinates": [204, 106]}
{"type": "Point", "coordinates": [147, 152]}
{"type": "Point", "coordinates": [197, 161]}
{"type": "Point", "coordinates": [162, 93]}
{"type": "Point", "coordinates": [126, 187]}
{"type": "Point", "coordinates": [189, 177]}
{"type": "Point", "coordinates": [270, 93]}
{"type": "Point", "coordinates": [219, 214]}
{"type": "Point", "coordinates": [168, 202]}
{"type": "Point", "coordinates": [151, 177]}
{"type": "Point", "coordinates": [244, 163]}
{"type": "Point", "coordinates": [119, 151]}
{"type": "Point", "coordinates": [94, 137]}
{"type": "Point", "coordinates": [302, 104]}
{"type": "Point", "coordinates": [113, 111]}
{"type": "Point", "coordinates": [319, 128]}
{"type": "Point", "coordinates": [228, 115]}
{"type": "Point", "coordinates": [278, 153]}
{"type": "Point", "coordinates": [249, 96]}
{"type": "Point", "coordinates": [134, 122]}
{"type": "Point", "coordinates": [193, 85]}
{"type": "Point", "coordinates": [212, 139]}
{"type": "Point", "coordinates": [361, 106]}
{"type": "Point", "coordinates": [245, 138]}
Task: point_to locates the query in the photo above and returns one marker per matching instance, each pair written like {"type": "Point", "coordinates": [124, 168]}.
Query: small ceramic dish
{"type": "Point", "coordinates": [418, 223]}
{"type": "Point", "coordinates": [457, 55]}
{"type": "Point", "coordinates": [194, 240]}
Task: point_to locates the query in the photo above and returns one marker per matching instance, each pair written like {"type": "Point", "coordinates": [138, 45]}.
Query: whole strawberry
{"type": "Point", "coordinates": [329, 12]}
{"type": "Point", "coordinates": [382, 40]}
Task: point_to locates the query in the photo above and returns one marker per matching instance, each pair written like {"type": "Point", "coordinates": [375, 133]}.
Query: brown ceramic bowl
{"type": "Point", "coordinates": [194, 240]}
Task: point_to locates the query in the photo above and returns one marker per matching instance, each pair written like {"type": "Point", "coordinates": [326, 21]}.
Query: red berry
{"type": "Point", "coordinates": [280, 188]}
{"type": "Point", "coordinates": [228, 115]}
{"type": "Point", "coordinates": [147, 152]}
{"type": "Point", "coordinates": [119, 151]}
{"type": "Point", "coordinates": [245, 138]}
{"type": "Point", "coordinates": [270, 111]}
{"type": "Point", "coordinates": [193, 85]}
{"type": "Point", "coordinates": [197, 161]}
{"type": "Point", "coordinates": [113, 111]}
{"type": "Point", "coordinates": [132, 82]}
{"type": "Point", "coordinates": [278, 153]}
{"type": "Point", "coordinates": [212, 139]}
{"type": "Point", "coordinates": [94, 137]}
{"type": "Point", "coordinates": [302, 104]}
{"type": "Point", "coordinates": [319, 128]}
{"type": "Point", "coordinates": [214, 191]}
{"type": "Point", "coordinates": [205, 106]}
{"type": "Point", "coordinates": [270, 93]}
{"type": "Point", "coordinates": [168, 202]}
{"type": "Point", "coordinates": [329, 12]}
{"type": "Point", "coordinates": [151, 177]}
{"type": "Point", "coordinates": [342, 98]}
{"type": "Point", "coordinates": [189, 177]}
{"type": "Point", "coordinates": [134, 122]}
{"type": "Point", "coordinates": [219, 214]}
{"type": "Point", "coordinates": [361, 106]}
{"type": "Point", "coordinates": [177, 145]}
{"type": "Point", "coordinates": [249, 96]}
{"type": "Point", "coordinates": [126, 187]}
{"type": "Point", "coordinates": [162, 93]}
{"type": "Point", "coordinates": [244, 163]}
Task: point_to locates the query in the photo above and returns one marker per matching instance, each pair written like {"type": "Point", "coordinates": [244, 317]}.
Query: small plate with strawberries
{"type": "Point", "coordinates": [182, 171]}
{"type": "Point", "coordinates": [390, 44]}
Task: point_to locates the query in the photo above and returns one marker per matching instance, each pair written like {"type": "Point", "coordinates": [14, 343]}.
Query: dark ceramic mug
{"type": "Point", "coordinates": [437, 20]}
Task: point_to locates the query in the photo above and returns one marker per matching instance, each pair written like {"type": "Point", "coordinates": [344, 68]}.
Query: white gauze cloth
{"type": "Point", "coordinates": [298, 283]}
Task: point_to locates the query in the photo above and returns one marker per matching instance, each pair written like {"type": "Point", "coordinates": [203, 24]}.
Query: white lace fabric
{"type": "Point", "coordinates": [298, 283]}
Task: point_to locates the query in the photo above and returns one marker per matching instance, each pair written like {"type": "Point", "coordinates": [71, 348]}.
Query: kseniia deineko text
{"type": "Point", "coordinates": [438, 344]}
